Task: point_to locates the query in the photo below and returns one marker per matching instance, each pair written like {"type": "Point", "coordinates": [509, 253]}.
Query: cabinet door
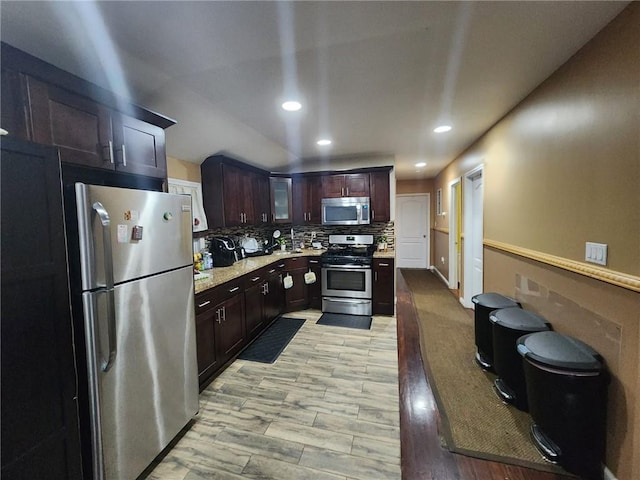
{"type": "Point", "coordinates": [254, 303]}
{"type": "Point", "coordinates": [356, 185]}
{"type": "Point", "coordinates": [139, 147]}
{"type": "Point", "coordinates": [261, 200]}
{"type": "Point", "coordinates": [380, 206]}
{"type": "Point", "coordinates": [333, 186]}
{"type": "Point", "coordinates": [233, 196]}
{"type": "Point", "coordinates": [383, 286]}
{"type": "Point", "coordinates": [274, 302]}
{"type": "Point", "coordinates": [40, 432]}
{"type": "Point", "coordinates": [297, 297]}
{"type": "Point", "coordinates": [281, 211]}
{"type": "Point", "coordinates": [205, 344]}
{"type": "Point", "coordinates": [78, 126]}
{"type": "Point", "coordinates": [314, 199]}
{"type": "Point", "coordinates": [12, 104]}
{"type": "Point", "coordinates": [315, 289]}
{"type": "Point", "coordinates": [298, 200]}
{"type": "Point", "coordinates": [230, 335]}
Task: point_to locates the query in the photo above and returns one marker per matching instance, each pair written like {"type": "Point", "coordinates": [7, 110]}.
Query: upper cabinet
{"type": "Point", "coordinates": [307, 199]}
{"type": "Point", "coordinates": [380, 196]}
{"type": "Point", "coordinates": [234, 194]}
{"type": "Point", "coordinates": [281, 200]}
{"type": "Point", "coordinates": [86, 123]}
{"type": "Point", "coordinates": [345, 185]}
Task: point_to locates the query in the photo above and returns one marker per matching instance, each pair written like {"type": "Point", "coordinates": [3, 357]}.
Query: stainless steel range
{"type": "Point", "coordinates": [346, 274]}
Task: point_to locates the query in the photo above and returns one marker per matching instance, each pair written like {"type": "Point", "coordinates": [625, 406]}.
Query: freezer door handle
{"type": "Point", "coordinates": [105, 221]}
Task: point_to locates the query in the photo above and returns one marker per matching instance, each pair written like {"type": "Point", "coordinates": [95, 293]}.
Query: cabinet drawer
{"type": "Point", "coordinates": [296, 262]}
{"type": "Point", "coordinates": [210, 298]}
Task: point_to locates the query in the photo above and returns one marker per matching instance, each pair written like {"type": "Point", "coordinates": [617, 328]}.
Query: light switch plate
{"type": "Point", "coordinates": [596, 253]}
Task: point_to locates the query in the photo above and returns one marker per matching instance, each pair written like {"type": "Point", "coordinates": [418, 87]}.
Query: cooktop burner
{"type": "Point", "coordinates": [349, 250]}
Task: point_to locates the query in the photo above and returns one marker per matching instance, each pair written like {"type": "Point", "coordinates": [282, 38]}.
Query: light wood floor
{"type": "Point", "coordinates": [326, 409]}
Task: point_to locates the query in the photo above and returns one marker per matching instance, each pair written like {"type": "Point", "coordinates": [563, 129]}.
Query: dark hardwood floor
{"type": "Point", "coordinates": [422, 456]}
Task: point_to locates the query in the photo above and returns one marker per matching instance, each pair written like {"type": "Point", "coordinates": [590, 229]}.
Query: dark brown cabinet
{"type": "Point", "coordinates": [220, 327]}
{"type": "Point", "coordinates": [238, 197]}
{"type": "Point", "coordinates": [307, 199]}
{"type": "Point", "coordinates": [254, 302]}
{"type": "Point", "coordinates": [40, 430]}
{"type": "Point", "coordinates": [383, 286]}
{"type": "Point", "coordinates": [347, 185]}
{"type": "Point", "coordinates": [380, 196]}
{"type": "Point", "coordinates": [315, 289]}
{"type": "Point", "coordinates": [274, 301]}
{"type": "Point", "coordinates": [281, 200]}
{"type": "Point", "coordinates": [261, 199]}
{"type": "Point", "coordinates": [52, 107]}
{"type": "Point", "coordinates": [296, 297]}
{"type": "Point", "coordinates": [234, 194]}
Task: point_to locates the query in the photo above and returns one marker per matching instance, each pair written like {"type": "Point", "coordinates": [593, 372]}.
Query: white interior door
{"type": "Point", "coordinates": [412, 228]}
{"type": "Point", "coordinates": [454, 233]}
{"type": "Point", "coordinates": [473, 236]}
{"type": "Point", "coordinates": [476, 220]}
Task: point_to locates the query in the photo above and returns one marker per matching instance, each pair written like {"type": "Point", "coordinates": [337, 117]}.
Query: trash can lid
{"type": "Point", "coordinates": [518, 319]}
{"type": "Point", "coordinates": [560, 351]}
{"type": "Point", "coordinates": [493, 300]}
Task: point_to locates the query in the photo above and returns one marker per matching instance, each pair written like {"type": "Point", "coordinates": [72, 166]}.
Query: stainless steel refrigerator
{"type": "Point", "coordinates": [137, 294]}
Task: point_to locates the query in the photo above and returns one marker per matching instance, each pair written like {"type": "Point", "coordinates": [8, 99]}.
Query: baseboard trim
{"type": "Point", "coordinates": [440, 275]}
{"type": "Point", "coordinates": [619, 279]}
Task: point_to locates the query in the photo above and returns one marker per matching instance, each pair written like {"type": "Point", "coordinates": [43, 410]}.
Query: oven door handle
{"type": "Point", "coordinates": [347, 300]}
{"type": "Point", "coordinates": [350, 267]}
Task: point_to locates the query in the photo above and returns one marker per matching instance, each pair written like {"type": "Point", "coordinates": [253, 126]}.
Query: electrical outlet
{"type": "Point", "coordinates": [596, 253]}
{"type": "Point", "coordinates": [442, 260]}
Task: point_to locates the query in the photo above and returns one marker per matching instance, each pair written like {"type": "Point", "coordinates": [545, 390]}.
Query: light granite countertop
{"type": "Point", "coordinates": [218, 276]}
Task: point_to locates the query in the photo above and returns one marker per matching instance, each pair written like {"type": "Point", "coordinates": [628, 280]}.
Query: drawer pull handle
{"type": "Point", "coordinates": [255, 279]}
{"type": "Point", "coordinates": [272, 270]}
{"type": "Point", "coordinates": [234, 289]}
{"type": "Point", "coordinates": [313, 261]}
{"type": "Point", "coordinates": [200, 305]}
{"type": "Point", "coordinates": [383, 264]}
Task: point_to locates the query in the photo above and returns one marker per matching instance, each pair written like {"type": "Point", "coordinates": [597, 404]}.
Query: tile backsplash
{"type": "Point", "coordinates": [303, 233]}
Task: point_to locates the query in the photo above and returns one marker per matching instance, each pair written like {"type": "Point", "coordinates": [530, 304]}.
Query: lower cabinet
{"type": "Point", "coordinates": [230, 316]}
{"type": "Point", "coordinates": [296, 297]}
{"type": "Point", "coordinates": [220, 327]}
{"type": "Point", "coordinates": [383, 286]}
{"type": "Point", "coordinates": [254, 302]}
{"type": "Point", "coordinates": [274, 300]}
{"type": "Point", "coordinates": [315, 289]}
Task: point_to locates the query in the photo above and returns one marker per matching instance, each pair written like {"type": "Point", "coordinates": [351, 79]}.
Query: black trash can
{"type": "Point", "coordinates": [567, 390]}
{"type": "Point", "coordinates": [509, 324]}
{"type": "Point", "coordinates": [485, 303]}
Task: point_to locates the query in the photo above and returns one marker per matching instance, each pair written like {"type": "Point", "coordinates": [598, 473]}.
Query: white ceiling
{"type": "Point", "coordinates": [376, 77]}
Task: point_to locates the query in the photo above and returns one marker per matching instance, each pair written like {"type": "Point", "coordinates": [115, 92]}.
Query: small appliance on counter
{"type": "Point", "coordinates": [223, 250]}
{"type": "Point", "coordinates": [251, 247]}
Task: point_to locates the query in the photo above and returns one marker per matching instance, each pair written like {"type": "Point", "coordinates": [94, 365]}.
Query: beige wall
{"type": "Point", "coordinates": [561, 169]}
{"type": "Point", "coordinates": [183, 170]}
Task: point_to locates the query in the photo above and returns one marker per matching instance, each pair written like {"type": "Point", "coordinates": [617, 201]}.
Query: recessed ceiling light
{"type": "Point", "coordinates": [421, 164]}
{"type": "Point", "coordinates": [324, 142]}
{"type": "Point", "coordinates": [291, 106]}
{"type": "Point", "coordinates": [442, 128]}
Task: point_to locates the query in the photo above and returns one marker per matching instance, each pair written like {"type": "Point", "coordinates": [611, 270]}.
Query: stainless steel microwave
{"type": "Point", "coordinates": [345, 211]}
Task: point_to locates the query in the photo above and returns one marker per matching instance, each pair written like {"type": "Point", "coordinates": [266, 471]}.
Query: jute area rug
{"type": "Point", "coordinates": [474, 421]}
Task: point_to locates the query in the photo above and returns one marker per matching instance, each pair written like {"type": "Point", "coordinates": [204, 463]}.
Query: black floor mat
{"type": "Point", "coordinates": [362, 322]}
{"type": "Point", "coordinates": [270, 344]}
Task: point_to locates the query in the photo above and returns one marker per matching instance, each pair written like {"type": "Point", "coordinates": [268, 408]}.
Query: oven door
{"type": "Point", "coordinates": [346, 281]}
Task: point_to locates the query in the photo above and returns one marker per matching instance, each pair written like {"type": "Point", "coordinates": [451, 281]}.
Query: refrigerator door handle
{"type": "Point", "coordinates": [105, 221]}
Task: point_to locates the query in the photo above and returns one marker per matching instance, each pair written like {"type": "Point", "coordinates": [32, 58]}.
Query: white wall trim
{"type": "Point", "coordinates": [439, 274]}
{"type": "Point", "coordinates": [453, 234]}
{"type": "Point", "coordinates": [467, 252]}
